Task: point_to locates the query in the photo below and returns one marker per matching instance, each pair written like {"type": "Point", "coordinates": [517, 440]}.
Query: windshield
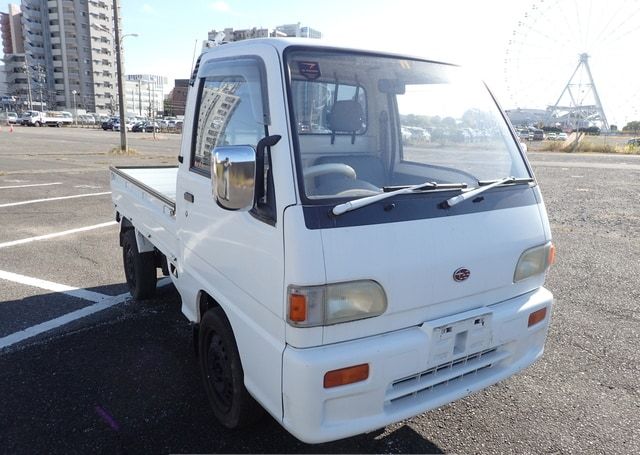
{"type": "Point", "coordinates": [369, 123]}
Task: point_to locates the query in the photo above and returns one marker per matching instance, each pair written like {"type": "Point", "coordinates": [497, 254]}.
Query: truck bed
{"type": "Point", "coordinates": [146, 196]}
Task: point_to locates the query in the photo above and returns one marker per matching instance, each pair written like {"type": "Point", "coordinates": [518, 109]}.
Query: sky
{"type": "Point", "coordinates": [473, 33]}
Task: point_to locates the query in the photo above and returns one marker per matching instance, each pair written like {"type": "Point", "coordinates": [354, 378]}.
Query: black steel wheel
{"type": "Point", "coordinates": [139, 268]}
{"type": "Point", "coordinates": [222, 372]}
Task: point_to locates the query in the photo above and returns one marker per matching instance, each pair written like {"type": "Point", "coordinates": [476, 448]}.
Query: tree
{"type": "Point", "coordinates": [632, 127]}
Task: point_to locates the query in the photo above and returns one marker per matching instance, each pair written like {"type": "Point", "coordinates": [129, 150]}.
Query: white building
{"type": "Point", "coordinates": [144, 94]}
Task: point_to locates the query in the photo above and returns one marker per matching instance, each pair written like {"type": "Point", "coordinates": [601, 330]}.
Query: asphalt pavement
{"type": "Point", "coordinates": [85, 369]}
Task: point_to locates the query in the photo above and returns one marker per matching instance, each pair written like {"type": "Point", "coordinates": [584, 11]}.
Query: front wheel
{"type": "Point", "coordinates": [222, 372]}
{"type": "Point", "coordinates": [139, 268]}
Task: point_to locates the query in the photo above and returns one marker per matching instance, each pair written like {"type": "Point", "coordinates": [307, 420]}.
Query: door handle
{"type": "Point", "coordinates": [188, 196]}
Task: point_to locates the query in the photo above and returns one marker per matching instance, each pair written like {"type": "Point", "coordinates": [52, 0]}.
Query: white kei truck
{"type": "Point", "coordinates": [47, 118]}
{"type": "Point", "coordinates": [338, 276]}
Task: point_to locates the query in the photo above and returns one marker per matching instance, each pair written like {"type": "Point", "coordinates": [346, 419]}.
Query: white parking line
{"type": "Point", "coordinates": [55, 287]}
{"type": "Point", "coordinates": [102, 302]}
{"type": "Point", "coordinates": [56, 234]}
{"type": "Point", "coordinates": [26, 186]}
{"type": "Point", "coordinates": [32, 331]}
{"type": "Point", "coordinates": [34, 201]}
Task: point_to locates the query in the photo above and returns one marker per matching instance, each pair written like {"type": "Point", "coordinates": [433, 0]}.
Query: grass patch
{"type": "Point", "coordinates": [129, 152]}
{"type": "Point", "coordinates": [588, 145]}
{"type": "Point", "coordinates": [552, 146]}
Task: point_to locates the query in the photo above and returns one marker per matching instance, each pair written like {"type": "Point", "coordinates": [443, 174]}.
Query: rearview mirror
{"type": "Point", "coordinates": [234, 176]}
{"type": "Point", "coordinates": [392, 86]}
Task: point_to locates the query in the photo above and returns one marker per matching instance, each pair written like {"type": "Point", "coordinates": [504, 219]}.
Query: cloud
{"type": "Point", "coordinates": [148, 9]}
{"type": "Point", "coordinates": [220, 6]}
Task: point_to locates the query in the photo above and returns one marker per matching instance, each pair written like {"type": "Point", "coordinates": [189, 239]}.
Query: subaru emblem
{"type": "Point", "coordinates": [461, 274]}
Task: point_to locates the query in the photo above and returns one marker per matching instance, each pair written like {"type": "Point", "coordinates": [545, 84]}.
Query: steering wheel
{"type": "Point", "coordinates": [329, 168]}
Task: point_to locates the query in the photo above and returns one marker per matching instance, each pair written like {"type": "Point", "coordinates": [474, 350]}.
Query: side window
{"type": "Point", "coordinates": [232, 109]}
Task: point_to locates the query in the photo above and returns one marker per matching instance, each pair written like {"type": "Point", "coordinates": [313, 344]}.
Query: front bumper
{"type": "Point", "coordinates": [411, 370]}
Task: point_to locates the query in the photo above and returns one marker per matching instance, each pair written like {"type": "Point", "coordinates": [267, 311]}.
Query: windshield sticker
{"type": "Point", "coordinates": [310, 70]}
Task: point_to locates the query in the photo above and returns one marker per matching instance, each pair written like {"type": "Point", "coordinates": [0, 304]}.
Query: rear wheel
{"type": "Point", "coordinates": [139, 268]}
{"type": "Point", "coordinates": [222, 372]}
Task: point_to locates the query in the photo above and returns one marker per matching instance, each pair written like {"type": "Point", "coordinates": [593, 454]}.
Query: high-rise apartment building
{"type": "Point", "coordinates": [16, 80]}
{"type": "Point", "coordinates": [69, 53]}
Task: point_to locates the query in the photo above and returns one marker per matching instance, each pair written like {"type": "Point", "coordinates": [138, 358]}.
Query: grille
{"type": "Point", "coordinates": [444, 374]}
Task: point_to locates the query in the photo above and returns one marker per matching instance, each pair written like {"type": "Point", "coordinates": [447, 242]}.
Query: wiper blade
{"type": "Point", "coordinates": [425, 186]}
{"type": "Point", "coordinates": [515, 181]}
{"type": "Point", "coordinates": [484, 186]}
{"type": "Point", "coordinates": [438, 186]}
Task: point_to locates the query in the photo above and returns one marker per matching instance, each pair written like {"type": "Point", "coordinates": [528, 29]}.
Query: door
{"type": "Point", "coordinates": [237, 256]}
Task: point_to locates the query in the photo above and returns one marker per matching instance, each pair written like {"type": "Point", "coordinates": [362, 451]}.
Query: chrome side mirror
{"type": "Point", "coordinates": [233, 169]}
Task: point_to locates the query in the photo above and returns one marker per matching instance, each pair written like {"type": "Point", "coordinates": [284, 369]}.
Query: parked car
{"type": "Point", "coordinates": [635, 141]}
{"type": "Point", "coordinates": [128, 125]}
{"type": "Point", "coordinates": [86, 119]}
{"type": "Point", "coordinates": [562, 137]}
{"type": "Point", "coordinates": [551, 136]}
{"type": "Point", "coordinates": [10, 117]}
{"type": "Point", "coordinates": [108, 124]}
{"type": "Point", "coordinates": [145, 127]}
{"type": "Point", "coordinates": [536, 134]}
{"type": "Point", "coordinates": [149, 127]}
{"type": "Point", "coordinates": [138, 127]}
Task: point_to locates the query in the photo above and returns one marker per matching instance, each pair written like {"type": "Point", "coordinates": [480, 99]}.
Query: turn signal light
{"type": "Point", "coordinates": [552, 254]}
{"type": "Point", "coordinates": [297, 308]}
{"type": "Point", "coordinates": [537, 316]}
{"type": "Point", "coordinates": [345, 376]}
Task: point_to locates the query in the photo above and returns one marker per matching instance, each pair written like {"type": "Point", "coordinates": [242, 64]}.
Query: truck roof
{"type": "Point", "coordinates": [280, 44]}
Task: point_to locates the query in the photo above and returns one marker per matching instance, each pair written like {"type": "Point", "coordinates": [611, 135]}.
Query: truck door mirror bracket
{"type": "Point", "coordinates": [233, 169]}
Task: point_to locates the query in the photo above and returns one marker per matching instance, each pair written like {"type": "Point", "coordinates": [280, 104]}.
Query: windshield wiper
{"type": "Point", "coordinates": [484, 186]}
{"type": "Point", "coordinates": [425, 186]}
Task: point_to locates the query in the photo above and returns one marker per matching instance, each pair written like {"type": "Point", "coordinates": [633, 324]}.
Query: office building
{"type": "Point", "coordinates": [296, 30]}
{"type": "Point", "coordinates": [238, 35]}
{"type": "Point", "coordinates": [144, 94]}
{"type": "Point", "coordinates": [177, 99]}
{"type": "Point", "coordinates": [288, 30]}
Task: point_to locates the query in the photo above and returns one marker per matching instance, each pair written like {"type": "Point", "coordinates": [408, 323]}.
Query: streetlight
{"type": "Point", "coordinates": [75, 108]}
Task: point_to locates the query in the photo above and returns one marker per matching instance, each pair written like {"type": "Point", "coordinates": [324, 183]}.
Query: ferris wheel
{"type": "Point", "coordinates": [577, 60]}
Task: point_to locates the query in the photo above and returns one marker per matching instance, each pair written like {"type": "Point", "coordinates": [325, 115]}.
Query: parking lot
{"type": "Point", "coordinates": [83, 368]}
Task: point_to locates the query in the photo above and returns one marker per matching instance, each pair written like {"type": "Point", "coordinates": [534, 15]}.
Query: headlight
{"type": "Point", "coordinates": [534, 261]}
{"type": "Point", "coordinates": [311, 306]}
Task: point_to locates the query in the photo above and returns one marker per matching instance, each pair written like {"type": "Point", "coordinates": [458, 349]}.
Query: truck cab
{"type": "Point", "coordinates": [363, 279]}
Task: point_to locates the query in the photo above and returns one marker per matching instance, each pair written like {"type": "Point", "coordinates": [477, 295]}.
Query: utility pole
{"type": "Point", "coordinates": [40, 72]}
{"type": "Point", "coordinates": [26, 72]}
{"type": "Point", "coordinates": [123, 126]}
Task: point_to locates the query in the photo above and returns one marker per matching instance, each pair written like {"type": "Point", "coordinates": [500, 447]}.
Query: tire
{"type": "Point", "coordinates": [139, 268]}
{"type": "Point", "coordinates": [222, 373]}
{"type": "Point", "coordinates": [38, 125]}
